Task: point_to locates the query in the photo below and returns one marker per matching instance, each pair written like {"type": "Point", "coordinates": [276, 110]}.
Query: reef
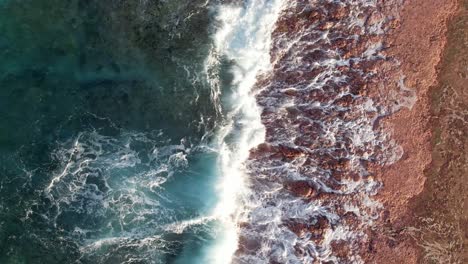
{"type": "Point", "coordinates": [349, 114]}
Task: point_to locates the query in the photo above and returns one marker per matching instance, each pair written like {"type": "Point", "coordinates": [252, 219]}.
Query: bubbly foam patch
{"type": "Point", "coordinates": [126, 197]}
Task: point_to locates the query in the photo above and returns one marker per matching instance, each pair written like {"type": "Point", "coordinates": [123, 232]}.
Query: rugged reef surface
{"type": "Point", "coordinates": [349, 114]}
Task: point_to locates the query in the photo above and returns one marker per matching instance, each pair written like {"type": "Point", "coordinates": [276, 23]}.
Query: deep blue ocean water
{"type": "Point", "coordinates": [106, 123]}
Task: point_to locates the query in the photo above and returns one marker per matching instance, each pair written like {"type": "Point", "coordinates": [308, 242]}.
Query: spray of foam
{"type": "Point", "coordinates": [244, 37]}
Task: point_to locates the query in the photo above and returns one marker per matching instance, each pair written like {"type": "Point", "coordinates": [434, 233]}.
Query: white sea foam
{"type": "Point", "coordinates": [115, 191]}
{"type": "Point", "coordinates": [244, 37]}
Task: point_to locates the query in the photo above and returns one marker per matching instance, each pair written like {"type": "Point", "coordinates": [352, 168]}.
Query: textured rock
{"type": "Point", "coordinates": [345, 109]}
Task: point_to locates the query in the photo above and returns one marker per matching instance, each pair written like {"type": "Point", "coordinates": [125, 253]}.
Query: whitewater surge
{"type": "Point", "coordinates": [245, 39]}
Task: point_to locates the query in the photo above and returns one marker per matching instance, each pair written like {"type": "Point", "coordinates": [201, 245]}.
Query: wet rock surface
{"type": "Point", "coordinates": [321, 107]}
{"type": "Point", "coordinates": [335, 106]}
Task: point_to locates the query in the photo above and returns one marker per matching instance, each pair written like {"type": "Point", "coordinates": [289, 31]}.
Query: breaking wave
{"type": "Point", "coordinates": [243, 39]}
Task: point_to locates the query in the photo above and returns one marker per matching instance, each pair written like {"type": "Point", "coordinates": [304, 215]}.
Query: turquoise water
{"type": "Point", "coordinates": [106, 124]}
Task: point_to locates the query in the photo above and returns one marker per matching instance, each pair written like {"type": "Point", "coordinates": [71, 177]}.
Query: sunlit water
{"type": "Point", "coordinates": [124, 127]}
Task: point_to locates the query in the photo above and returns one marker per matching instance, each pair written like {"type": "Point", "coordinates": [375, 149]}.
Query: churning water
{"type": "Point", "coordinates": [124, 128]}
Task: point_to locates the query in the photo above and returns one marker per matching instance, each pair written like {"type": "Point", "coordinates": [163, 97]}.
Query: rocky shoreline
{"type": "Point", "coordinates": [349, 136]}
